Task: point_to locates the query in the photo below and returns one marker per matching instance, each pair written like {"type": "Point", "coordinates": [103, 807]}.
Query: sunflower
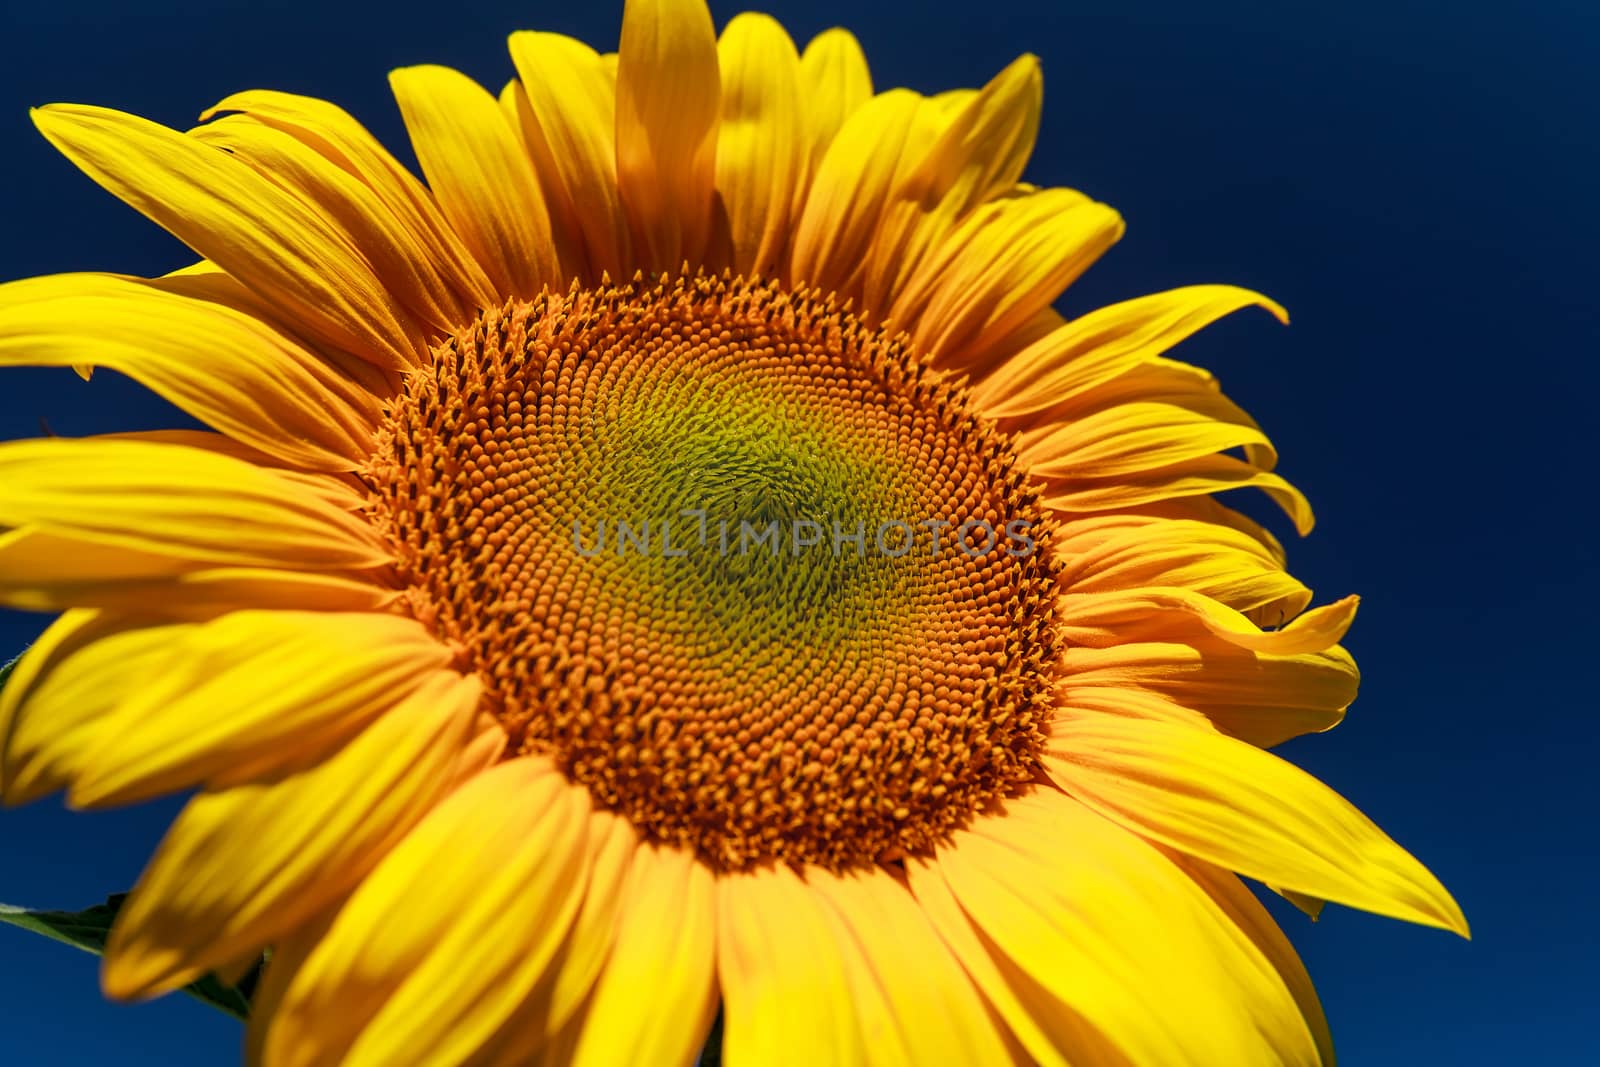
{"type": "Point", "coordinates": [674, 561]}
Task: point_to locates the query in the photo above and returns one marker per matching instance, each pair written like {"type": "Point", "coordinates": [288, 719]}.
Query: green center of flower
{"type": "Point", "coordinates": [745, 516]}
{"type": "Point", "coordinates": [735, 562]}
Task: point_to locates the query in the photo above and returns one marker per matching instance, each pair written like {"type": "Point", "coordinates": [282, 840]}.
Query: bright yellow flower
{"type": "Point", "coordinates": [494, 793]}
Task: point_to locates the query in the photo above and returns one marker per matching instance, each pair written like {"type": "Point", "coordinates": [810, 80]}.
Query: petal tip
{"type": "Point", "coordinates": [47, 117]}
{"type": "Point", "coordinates": [127, 974]}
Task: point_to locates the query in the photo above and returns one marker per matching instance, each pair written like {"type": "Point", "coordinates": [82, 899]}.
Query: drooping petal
{"type": "Point", "coordinates": [570, 130]}
{"type": "Point", "coordinates": [241, 867]}
{"type": "Point", "coordinates": [665, 942]}
{"type": "Point", "coordinates": [669, 98]}
{"type": "Point", "coordinates": [223, 366]}
{"type": "Point", "coordinates": [438, 946]}
{"type": "Point", "coordinates": [762, 161]}
{"type": "Point", "coordinates": [1231, 804]}
{"type": "Point", "coordinates": [251, 692]}
{"type": "Point", "coordinates": [484, 179]}
{"type": "Point", "coordinates": [253, 228]}
{"type": "Point", "coordinates": [1106, 620]}
{"type": "Point", "coordinates": [836, 82]}
{"type": "Point", "coordinates": [1110, 927]}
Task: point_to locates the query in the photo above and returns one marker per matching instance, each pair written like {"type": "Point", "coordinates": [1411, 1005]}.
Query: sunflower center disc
{"type": "Point", "coordinates": [735, 562]}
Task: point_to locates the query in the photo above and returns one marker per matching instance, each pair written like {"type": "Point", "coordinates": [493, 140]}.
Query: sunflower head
{"type": "Point", "coordinates": [675, 545]}
{"type": "Point", "coordinates": [812, 672]}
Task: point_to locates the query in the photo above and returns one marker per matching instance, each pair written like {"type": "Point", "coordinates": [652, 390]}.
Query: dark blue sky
{"type": "Point", "coordinates": [1414, 181]}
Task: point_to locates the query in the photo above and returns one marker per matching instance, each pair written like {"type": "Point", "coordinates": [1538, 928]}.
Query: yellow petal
{"type": "Point", "coordinates": [54, 706]}
{"type": "Point", "coordinates": [48, 572]}
{"type": "Point", "coordinates": [253, 228]}
{"type": "Point", "coordinates": [1123, 552]}
{"type": "Point", "coordinates": [878, 145]}
{"type": "Point", "coordinates": [566, 231]}
{"type": "Point", "coordinates": [177, 501]}
{"type": "Point", "coordinates": [1132, 439]}
{"type": "Point", "coordinates": [1166, 383]}
{"type": "Point", "coordinates": [786, 1000]}
{"type": "Point", "coordinates": [570, 132]}
{"type": "Point", "coordinates": [834, 75]}
{"type": "Point", "coordinates": [1208, 510]}
{"type": "Point", "coordinates": [435, 950]}
{"type": "Point", "coordinates": [1106, 343]}
{"type": "Point", "coordinates": [762, 162]}
{"type": "Point", "coordinates": [985, 140]}
{"type": "Point", "coordinates": [1235, 898]}
{"type": "Point", "coordinates": [1009, 259]}
{"type": "Point", "coordinates": [541, 1023]}
{"type": "Point", "coordinates": [1109, 926]}
{"type": "Point", "coordinates": [455, 284]}
{"type": "Point", "coordinates": [1051, 1032]}
{"type": "Point", "coordinates": [204, 280]}
{"type": "Point", "coordinates": [668, 100]}
{"type": "Point", "coordinates": [483, 178]}
{"type": "Point", "coordinates": [665, 942]}
{"type": "Point", "coordinates": [1040, 325]}
{"type": "Point", "coordinates": [289, 954]}
{"type": "Point", "coordinates": [1231, 804]}
{"type": "Point", "coordinates": [242, 867]}
{"type": "Point", "coordinates": [225, 367]}
{"type": "Point", "coordinates": [251, 692]}
{"type": "Point", "coordinates": [1311, 906]}
{"type": "Point", "coordinates": [912, 1002]}
{"type": "Point", "coordinates": [1195, 477]}
{"type": "Point", "coordinates": [1260, 698]}
{"type": "Point", "coordinates": [1103, 620]}
{"type": "Point", "coordinates": [1073, 700]}
{"type": "Point", "coordinates": [989, 139]}
{"type": "Point", "coordinates": [397, 244]}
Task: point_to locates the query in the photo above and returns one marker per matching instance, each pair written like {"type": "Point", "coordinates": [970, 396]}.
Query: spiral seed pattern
{"type": "Point", "coordinates": [601, 499]}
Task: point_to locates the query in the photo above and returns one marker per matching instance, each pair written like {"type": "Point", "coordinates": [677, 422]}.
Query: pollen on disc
{"type": "Point", "coordinates": [712, 547]}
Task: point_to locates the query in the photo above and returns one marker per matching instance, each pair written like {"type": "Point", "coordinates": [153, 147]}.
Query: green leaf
{"type": "Point", "coordinates": [87, 929]}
